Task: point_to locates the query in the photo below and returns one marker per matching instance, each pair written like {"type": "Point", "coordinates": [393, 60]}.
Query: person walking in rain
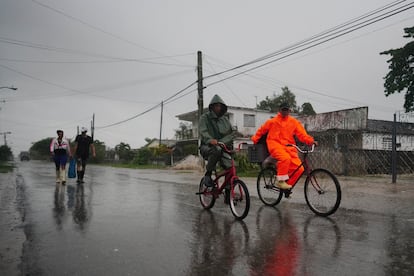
{"type": "Point", "coordinates": [60, 151]}
{"type": "Point", "coordinates": [83, 143]}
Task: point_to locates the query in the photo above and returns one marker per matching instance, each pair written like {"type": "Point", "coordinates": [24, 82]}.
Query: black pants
{"type": "Point", "coordinates": [213, 155]}
{"type": "Point", "coordinates": [81, 166]}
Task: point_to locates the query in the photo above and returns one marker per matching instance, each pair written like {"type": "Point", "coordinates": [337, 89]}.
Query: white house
{"type": "Point", "coordinates": [369, 134]}
{"type": "Point", "coordinates": [244, 120]}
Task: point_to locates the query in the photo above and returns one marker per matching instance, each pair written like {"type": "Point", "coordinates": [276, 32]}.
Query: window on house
{"type": "Point", "coordinates": [249, 120]}
{"type": "Point", "coordinates": [387, 143]}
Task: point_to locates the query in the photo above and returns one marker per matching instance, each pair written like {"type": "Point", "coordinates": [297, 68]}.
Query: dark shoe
{"type": "Point", "coordinates": [208, 182]}
{"type": "Point", "coordinates": [288, 193]}
{"type": "Point", "coordinates": [81, 181]}
{"type": "Point", "coordinates": [78, 181]}
{"type": "Point", "coordinates": [226, 196]}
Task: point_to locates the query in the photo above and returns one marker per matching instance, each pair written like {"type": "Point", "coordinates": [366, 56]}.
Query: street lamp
{"type": "Point", "coordinates": [8, 87]}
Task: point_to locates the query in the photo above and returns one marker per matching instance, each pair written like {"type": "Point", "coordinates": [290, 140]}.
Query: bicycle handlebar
{"type": "Point", "coordinates": [302, 150]}
{"type": "Point", "coordinates": [226, 149]}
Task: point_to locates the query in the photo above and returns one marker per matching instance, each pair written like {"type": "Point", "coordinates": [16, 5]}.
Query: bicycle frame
{"type": "Point", "coordinates": [229, 175]}
{"type": "Point", "coordinates": [305, 164]}
{"type": "Point", "coordinates": [306, 167]}
{"type": "Point", "coordinates": [226, 182]}
{"type": "Point", "coordinates": [321, 187]}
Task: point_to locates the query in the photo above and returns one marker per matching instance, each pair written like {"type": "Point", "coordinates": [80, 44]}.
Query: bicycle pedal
{"type": "Point", "coordinates": [288, 193]}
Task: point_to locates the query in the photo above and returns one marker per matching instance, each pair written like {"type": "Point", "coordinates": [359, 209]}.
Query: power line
{"type": "Point", "coordinates": [96, 28]}
{"type": "Point", "coordinates": [76, 91]}
{"type": "Point", "coordinates": [336, 35]}
{"type": "Point", "coordinates": [108, 59]}
{"type": "Point", "coordinates": [324, 36]}
{"type": "Point", "coordinates": [169, 100]}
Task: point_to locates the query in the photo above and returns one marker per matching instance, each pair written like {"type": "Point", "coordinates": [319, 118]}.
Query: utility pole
{"type": "Point", "coordinates": [200, 101]}
{"type": "Point", "coordinates": [4, 134]}
{"type": "Point", "coordinates": [200, 87]}
{"type": "Point", "coordinates": [162, 110]}
{"type": "Point", "coordinates": [394, 150]}
{"type": "Point", "coordinates": [93, 126]}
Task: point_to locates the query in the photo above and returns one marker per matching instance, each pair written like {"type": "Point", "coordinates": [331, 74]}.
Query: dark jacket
{"type": "Point", "coordinates": [216, 126]}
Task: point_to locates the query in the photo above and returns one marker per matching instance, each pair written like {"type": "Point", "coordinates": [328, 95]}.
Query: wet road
{"type": "Point", "coordinates": [150, 222]}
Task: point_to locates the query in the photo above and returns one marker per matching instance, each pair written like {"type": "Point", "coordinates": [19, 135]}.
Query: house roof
{"type": "Point", "coordinates": [387, 126]}
{"type": "Point", "coordinates": [155, 143]}
{"type": "Point", "coordinates": [189, 116]}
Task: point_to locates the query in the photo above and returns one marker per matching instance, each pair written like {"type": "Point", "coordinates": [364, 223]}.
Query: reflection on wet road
{"type": "Point", "coordinates": [150, 222]}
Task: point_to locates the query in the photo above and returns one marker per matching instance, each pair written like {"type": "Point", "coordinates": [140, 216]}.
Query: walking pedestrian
{"type": "Point", "coordinates": [60, 151]}
{"type": "Point", "coordinates": [83, 144]}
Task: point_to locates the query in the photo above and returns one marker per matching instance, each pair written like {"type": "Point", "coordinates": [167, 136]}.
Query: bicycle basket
{"type": "Point", "coordinates": [257, 153]}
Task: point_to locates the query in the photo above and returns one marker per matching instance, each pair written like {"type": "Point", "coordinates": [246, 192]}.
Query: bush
{"type": "Point", "coordinates": [5, 153]}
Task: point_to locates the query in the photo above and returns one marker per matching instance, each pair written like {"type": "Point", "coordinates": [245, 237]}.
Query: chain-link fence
{"type": "Point", "coordinates": [343, 154]}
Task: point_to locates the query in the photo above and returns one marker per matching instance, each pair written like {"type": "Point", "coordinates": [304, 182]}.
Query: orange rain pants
{"type": "Point", "coordinates": [287, 162]}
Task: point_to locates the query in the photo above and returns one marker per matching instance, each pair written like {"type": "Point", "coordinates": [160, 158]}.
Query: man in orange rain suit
{"type": "Point", "coordinates": [281, 130]}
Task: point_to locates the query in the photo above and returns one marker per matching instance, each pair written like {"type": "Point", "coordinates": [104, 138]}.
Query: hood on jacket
{"type": "Point", "coordinates": [216, 99]}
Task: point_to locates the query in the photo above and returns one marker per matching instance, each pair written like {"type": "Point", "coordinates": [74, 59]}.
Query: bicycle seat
{"type": "Point", "coordinates": [269, 162]}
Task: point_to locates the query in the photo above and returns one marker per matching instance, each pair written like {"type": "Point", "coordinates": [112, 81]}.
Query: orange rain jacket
{"type": "Point", "coordinates": [281, 131]}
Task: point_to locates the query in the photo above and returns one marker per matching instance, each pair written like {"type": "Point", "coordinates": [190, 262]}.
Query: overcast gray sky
{"type": "Point", "coordinates": [118, 59]}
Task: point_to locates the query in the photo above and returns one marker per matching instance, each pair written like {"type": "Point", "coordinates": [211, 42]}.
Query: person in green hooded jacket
{"type": "Point", "coordinates": [214, 127]}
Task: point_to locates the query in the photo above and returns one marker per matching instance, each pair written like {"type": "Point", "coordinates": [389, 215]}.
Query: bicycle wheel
{"type": "Point", "coordinates": [322, 192]}
{"type": "Point", "coordinates": [206, 195]}
{"type": "Point", "coordinates": [239, 199]}
{"type": "Point", "coordinates": [268, 193]}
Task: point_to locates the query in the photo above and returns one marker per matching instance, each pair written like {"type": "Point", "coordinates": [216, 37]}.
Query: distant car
{"type": "Point", "coordinates": [24, 156]}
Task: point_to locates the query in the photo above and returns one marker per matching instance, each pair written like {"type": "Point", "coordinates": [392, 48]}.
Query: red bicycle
{"type": "Point", "coordinates": [228, 183]}
{"type": "Point", "coordinates": [322, 189]}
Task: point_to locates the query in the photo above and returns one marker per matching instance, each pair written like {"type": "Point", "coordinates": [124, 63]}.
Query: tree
{"type": "Point", "coordinates": [307, 109]}
{"type": "Point", "coordinates": [5, 153]}
{"type": "Point", "coordinates": [143, 156]}
{"type": "Point", "coordinates": [124, 152]}
{"type": "Point", "coordinates": [273, 103]}
{"type": "Point", "coordinates": [184, 132]}
{"type": "Point", "coordinates": [40, 149]}
{"type": "Point", "coordinates": [401, 75]}
{"type": "Point", "coordinates": [100, 150]}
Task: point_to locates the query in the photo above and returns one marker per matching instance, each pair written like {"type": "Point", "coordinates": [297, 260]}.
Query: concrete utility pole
{"type": "Point", "coordinates": [93, 126]}
{"type": "Point", "coordinates": [200, 101]}
{"type": "Point", "coordinates": [4, 134]}
{"type": "Point", "coordinates": [394, 150]}
{"type": "Point", "coordinates": [162, 110]}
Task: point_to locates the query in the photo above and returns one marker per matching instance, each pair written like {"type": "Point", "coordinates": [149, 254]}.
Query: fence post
{"type": "Point", "coordinates": [394, 150]}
